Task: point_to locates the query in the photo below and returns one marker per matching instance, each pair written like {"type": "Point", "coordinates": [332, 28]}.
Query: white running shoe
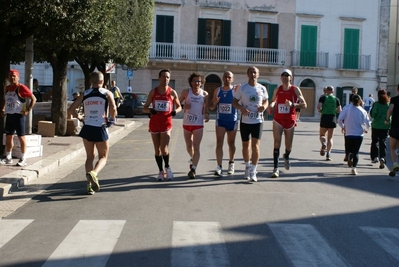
{"type": "Point", "coordinates": [169, 173]}
{"type": "Point", "coordinates": [354, 171]}
{"type": "Point", "coordinates": [230, 170]}
{"type": "Point", "coordinates": [6, 161]}
{"type": "Point", "coordinates": [248, 173]}
{"type": "Point", "coordinates": [22, 162]}
{"type": "Point", "coordinates": [276, 173]}
{"type": "Point", "coordinates": [161, 175]}
{"type": "Point", "coordinates": [253, 176]}
{"type": "Point", "coordinates": [218, 171]}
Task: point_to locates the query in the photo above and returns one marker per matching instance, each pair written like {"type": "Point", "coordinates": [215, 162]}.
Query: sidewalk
{"type": "Point", "coordinates": [56, 151]}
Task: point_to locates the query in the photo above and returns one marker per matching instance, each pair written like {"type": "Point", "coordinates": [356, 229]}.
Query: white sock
{"type": "Point", "coordinates": [247, 164]}
{"type": "Point", "coordinates": [8, 155]}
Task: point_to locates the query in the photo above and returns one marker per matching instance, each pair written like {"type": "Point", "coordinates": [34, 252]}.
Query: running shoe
{"type": "Point", "coordinates": [169, 173]}
{"type": "Point", "coordinates": [22, 162]}
{"type": "Point", "coordinates": [354, 171]}
{"type": "Point", "coordinates": [275, 173]}
{"type": "Point", "coordinates": [6, 161]}
{"type": "Point", "coordinates": [253, 176]}
{"type": "Point", "coordinates": [92, 178]}
{"type": "Point", "coordinates": [395, 169]}
{"type": "Point", "coordinates": [323, 150]}
{"type": "Point", "coordinates": [328, 158]}
{"type": "Point", "coordinates": [382, 163]}
{"type": "Point", "coordinates": [191, 174]}
{"type": "Point", "coordinates": [247, 173]}
{"type": "Point", "coordinates": [161, 175]}
{"type": "Point", "coordinates": [287, 164]}
{"type": "Point", "coordinates": [375, 160]}
{"type": "Point", "coordinates": [218, 171]}
{"type": "Point", "coordinates": [230, 170]}
{"type": "Point", "coordinates": [90, 190]}
{"type": "Point", "coordinates": [350, 160]}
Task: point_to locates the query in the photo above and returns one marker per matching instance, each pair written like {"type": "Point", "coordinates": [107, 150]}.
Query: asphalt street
{"type": "Point", "coordinates": [315, 214]}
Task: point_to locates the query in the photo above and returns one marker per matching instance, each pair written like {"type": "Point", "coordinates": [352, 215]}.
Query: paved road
{"type": "Point", "coordinates": [316, 214]}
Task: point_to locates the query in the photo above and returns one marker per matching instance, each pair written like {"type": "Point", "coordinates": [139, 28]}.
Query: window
{"type": "Point", "coordinates": [262, 35]}
{"type": "Point", "coordinates": [164, 36]}
{"type": "Point", "coordinates": [213, 32]}
{"type": "Point", "coordinates": [308, 46]}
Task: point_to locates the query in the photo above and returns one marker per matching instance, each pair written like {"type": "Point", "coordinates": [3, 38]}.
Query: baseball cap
{"type": "Point", "coordinates": [14, 72]}
{"type": "Point", "coordinates": [286, 71]}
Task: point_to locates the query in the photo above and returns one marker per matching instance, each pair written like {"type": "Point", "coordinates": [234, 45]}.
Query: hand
{"type": "Point", "coordinates": [288, 103]}
{"type": "Point", "coordinates": [173, 113]}
{"type": "Point", "coordinates": [215, 101]}
{"type": "Point", "coordinates": [153, 111]}
{"type": "Point", "coordinates": [261, 108]}
{"type": "Point", "coordinates": [110, 122]}
{"type": "Point", "coordinates": [206, 117]}
{"type": "Point", "coordinates": [236, 87]}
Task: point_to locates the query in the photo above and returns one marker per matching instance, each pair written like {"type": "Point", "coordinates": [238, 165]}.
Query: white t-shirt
{"type": "Point", "coordinates": [195, 115]}
{"type": "Point", "coordinates": [251, 97]}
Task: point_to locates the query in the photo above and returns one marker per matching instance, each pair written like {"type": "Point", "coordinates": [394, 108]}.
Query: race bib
{"type": "Point", "coordinates": [283, 109]}
{"type": "Point", "coordinates": [162, 105]}
{"type": "Point", "coordinates": [11, 105]}
{"type": "Point", "coordinates": [225, 108]}
{"type": "Point", "coordinates": [254, 115]}
{"type": "Point", "coordinates": [191, 117]}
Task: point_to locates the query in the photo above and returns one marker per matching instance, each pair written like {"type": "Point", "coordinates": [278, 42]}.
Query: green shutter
{"type": "Point", "coordinates": [351, 49]}
{"type": "Point", "coordinates": [308, 46]}
{"type": "Point", "coordinates": [201, 31]}
{"type": "Point", "coordinates": [274, 36]}
{"type": "Point", "coordinates": [251, 34]}
{"type": "Point", "coordinates": [226, 32]}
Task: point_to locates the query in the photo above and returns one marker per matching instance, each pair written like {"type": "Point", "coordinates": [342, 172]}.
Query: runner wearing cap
{"type": "Point", "coordinates": [286, 99]}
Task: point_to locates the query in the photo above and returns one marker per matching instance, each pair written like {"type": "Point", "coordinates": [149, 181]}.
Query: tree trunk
{"type": "Point", "coordinates": [59, 97]}
{"type": "Point", "coordinates": [4, 69]}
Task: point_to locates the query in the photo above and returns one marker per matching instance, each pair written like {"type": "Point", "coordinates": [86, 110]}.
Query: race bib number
{"type": "Point", "coordinates": [192, 118]}
{"type": "Point", "coordinates": [254, 115]}
{"type": "Point", "coordinates": [283, 109]}
{"type": "Point", "coordinates": [225, 108]}
{"type": "Point", "coordinates": [10, 105]}
{"type": "Point", "coordinates": [162, 105]}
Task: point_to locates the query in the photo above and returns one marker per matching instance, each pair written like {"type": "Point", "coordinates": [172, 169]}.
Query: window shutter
{"type": "Point", "coordinates": [274, 36]}
{"type": "Point", "coordinates": [251, 34]}
{"type": "Point", "coordinates": [226, 32]}
{"type": "Point", "coordinates": [201, 31]}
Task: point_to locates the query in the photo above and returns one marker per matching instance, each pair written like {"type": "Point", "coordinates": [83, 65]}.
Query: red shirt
{"type": "Point", "coordinates": [282, 111]}
{"type": "Point", "coordinates": [23, 91]}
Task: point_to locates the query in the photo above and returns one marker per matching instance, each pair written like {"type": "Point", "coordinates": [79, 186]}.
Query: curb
{"type": "Point", "coordinates": [20, 178]}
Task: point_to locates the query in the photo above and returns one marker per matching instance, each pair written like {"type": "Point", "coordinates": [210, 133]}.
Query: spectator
{"type": "Point", "coordinates": [36, 91]}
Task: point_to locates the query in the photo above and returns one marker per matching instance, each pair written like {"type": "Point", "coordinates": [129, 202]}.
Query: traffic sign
{"type": "Point", "coordinates": [110, 68]}
{"type": "Point", "coordinates": [129, 89]}
{"type": "Point", "coordinates": [129, 73]}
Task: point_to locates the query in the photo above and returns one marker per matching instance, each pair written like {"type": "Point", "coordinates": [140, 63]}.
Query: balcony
{"type": "Point", "coordinates": [353, 62]}
{"type": "Point", "coordinates": [309, 59]}
{"type": "Point", "coordinates": [226, 54]}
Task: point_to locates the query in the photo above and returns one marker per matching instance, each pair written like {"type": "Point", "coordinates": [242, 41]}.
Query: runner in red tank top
{"type": "Point", "coordinates": [285, 102]}
{"type": "Point", "coordinates": [165, 105]}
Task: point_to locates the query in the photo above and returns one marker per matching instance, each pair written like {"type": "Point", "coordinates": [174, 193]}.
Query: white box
{"type": "Point", "coordinates": [31, 152]}
{"type": "Point", "coordinates": [31, 140]}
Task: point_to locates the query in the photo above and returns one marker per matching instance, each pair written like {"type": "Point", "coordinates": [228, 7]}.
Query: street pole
{"type": "Point", "coordinates": [29, 78]}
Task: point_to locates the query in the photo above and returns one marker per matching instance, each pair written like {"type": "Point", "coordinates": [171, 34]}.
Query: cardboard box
{"type": "Point", "coordinates": [31, 152]}
{"type": "Point", "coordinates": [31, 140]}
{"type": "Point", "coordinates": [46, 128]}
{"type": "Point", "coordinates": [72, 126]}
{"type": "Point", "coordinates": [36, 119]}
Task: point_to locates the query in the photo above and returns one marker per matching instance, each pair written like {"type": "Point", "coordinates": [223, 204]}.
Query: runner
{"type": "Point", "coordinates": [196, 110]}
{"type": "Point", "coordinates": [165, 104]}
{"type": "Point", "coordinates": [226, 122]}
{"type": "Point", "coordinates": [393, 116]}
{"type": "Point", "coordinates": [329, 106]}
{"type": "Point", "coordinates": [252, 100]}
{"type": "Point", "coordinates": [284, 103]}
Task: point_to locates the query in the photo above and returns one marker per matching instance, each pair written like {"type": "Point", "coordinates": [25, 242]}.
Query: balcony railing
{"type": "Point", "coordinates": [309, 59]}
{"type": "Point", "coordinates": [353, 62]}
{"type": "Point", "coordinates": [194, 52]}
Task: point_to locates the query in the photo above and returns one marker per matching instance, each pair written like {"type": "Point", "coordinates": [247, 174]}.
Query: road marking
{"type": "Point", "coordinates": [387, 238]}
{"type": "Point", "coordinates": [10, 228]}
{"type": "Point", "coordinates": [198, 244]}
{"type": "Point", "coordinates": [90, 243]}
{"type": "Point", "coordinates": [305, 246]}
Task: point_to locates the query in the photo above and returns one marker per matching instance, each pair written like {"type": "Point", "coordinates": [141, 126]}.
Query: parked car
{"type": "Point", "coordinates": [133, 104]}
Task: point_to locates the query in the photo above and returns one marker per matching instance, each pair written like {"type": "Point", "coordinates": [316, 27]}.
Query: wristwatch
{"type": "Point", "coordinates": [293, 105]}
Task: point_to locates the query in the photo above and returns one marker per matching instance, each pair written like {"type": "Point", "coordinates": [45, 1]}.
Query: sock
{"type": "Point", "coordinates": [158, 159]}
{"type": "Point", "coordinates": [254, 166]}
{"type": "Point", "coordinates": [276, 155]}
{"type": "Point", "coordinates": [8, 155]}
{"type": "Point", "coordinates": [22, 155]}
{"type": "Point", "coordinates": [247, 164]}
{"type": "Point", "coordinates": [231, 161]}
{"type": "Point", "coordinates": [287, 154]}
{"type": "Point", "coordinates": [166, 160]}
{"type": "Point", "coordinates": [193, 168]}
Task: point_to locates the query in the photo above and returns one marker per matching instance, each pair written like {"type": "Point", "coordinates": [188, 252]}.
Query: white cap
{"type": "Point", "coordinates": [287, 71]}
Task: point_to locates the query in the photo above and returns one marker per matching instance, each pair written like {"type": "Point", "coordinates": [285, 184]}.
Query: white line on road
{"type": "Point", "coordinates": [10, 228]}
{"type": "Point", "coordinates": [198, 244]}
{"type": "Point", "coordinates": [387, 238]}
{"type": "Point", "coordinates": [305, 246]}
{"type": "Point", "coordinates": [90, 243]}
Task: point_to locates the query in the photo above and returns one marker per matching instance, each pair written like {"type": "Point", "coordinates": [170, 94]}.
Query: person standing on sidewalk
{"type": "Point", "coordinates": [226, 121]}
{"type": "Point", "coordinates": [196, 110]}
{"type": "Point", "coordinates": [166, 104]}
{"type": "Point", "coordinates": [14, 107]}
{"type": "Point", "coordinates": [96, 101]}
{"type": "Point", "coordinates": [284, 103]}
{"type": "Point", "coordinates": [252, 100]}
{"type": "Point", "coordinates": [379, 130]}
{"type": "Point", "coordinates": [354, 122]}
{"type": "Point", "coordinates": [329, 106]}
